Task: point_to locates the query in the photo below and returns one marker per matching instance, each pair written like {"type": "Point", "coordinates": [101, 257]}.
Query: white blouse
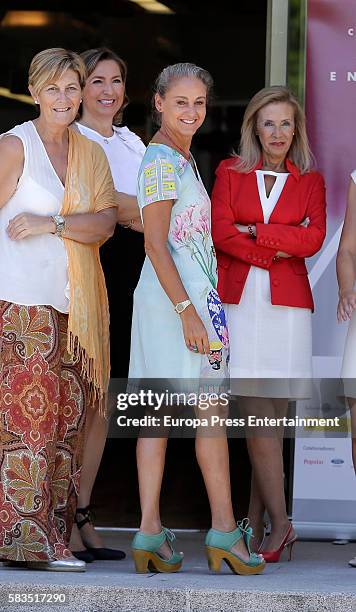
{"type": "Point", "coordinates": [33, 271]}
{"type": "Point", "coordinates": [124, 151]}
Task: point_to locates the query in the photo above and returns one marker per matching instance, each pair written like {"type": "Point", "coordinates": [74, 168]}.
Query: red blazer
{"type": "Point", "coordinates": [235, 199]}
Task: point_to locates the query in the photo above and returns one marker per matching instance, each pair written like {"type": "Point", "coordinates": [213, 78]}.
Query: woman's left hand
{"type": "Point", "coordinates": [346, 305]}
{"type": "Point", "coordinates": [26, 224]}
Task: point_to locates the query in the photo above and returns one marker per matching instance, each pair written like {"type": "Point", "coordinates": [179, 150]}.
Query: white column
{"type": "Point", "coordinates": [277, 42]}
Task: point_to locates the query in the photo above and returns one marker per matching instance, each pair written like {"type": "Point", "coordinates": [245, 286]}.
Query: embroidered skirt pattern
{"type": "Point", "coordinates": [42, 400]}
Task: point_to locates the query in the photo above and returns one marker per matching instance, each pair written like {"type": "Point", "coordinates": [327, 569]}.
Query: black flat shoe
{"type": "Point", "coordinates": [83, 555]}
{"type": "Point", "coordinates": [106, 554]}
{"type": "Point", "coordinates": [98, 554]}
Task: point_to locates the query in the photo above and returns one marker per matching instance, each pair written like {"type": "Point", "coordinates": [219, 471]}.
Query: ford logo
{"type": "Point", "coordinates": [337, 461]}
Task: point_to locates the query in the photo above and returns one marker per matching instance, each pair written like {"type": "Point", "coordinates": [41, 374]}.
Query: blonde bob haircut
{"type": "Point", "coordinates": [250, 147]}
{"type": "Point", "coordinates": [50, 64]}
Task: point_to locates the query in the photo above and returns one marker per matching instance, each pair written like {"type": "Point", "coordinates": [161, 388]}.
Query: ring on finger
{"type": "Point", "coordinates": [194, 348]}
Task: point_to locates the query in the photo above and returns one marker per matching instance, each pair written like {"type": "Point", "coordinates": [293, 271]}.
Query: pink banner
{"type": "Point", "coordinates": [331, 123]}
{"type": "Point", "coordinates": [324, 501]}
{"type": "Point", "coordinates": [331, 94]}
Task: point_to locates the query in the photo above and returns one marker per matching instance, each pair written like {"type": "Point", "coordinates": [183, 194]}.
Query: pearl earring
{"type": "Point", "coordinates": [36, 102]}
{"type": "Point", "coordinates": [81, 100]}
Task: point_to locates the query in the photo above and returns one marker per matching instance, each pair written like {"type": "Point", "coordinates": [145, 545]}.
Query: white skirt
{"type": "Point", "coordinates": [270, 346]}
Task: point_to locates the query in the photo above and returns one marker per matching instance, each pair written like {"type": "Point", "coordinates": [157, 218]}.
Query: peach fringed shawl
{"type": "Point", "coordinates": [88, 189]}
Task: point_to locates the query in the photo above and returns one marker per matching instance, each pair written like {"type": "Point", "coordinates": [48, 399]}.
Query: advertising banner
{"type": "Point", "coordinates": [324, 482]}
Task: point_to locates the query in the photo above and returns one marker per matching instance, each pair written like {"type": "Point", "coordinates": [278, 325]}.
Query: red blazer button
{"type": "Point", "coordinates": [275, 282]}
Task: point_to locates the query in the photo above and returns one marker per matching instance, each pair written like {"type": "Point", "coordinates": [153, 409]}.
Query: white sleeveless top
{"type": "Point", "coordinates": [33, 271]}
{"type": "Point", "coordinates": [124, 151]}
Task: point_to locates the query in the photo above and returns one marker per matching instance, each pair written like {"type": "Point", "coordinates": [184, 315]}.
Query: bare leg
{"type": "Point", "coordinates": [213, 458]}
{"type": "Point", "coordinates": [256, 510]}
{"type": "Point", "coordinates": [352, 405]}
{"type": "Point", "coordinates": [151, 454]}
{"type": "Point", "coordinates": [96, 432]}
{"type": "Point", "coordinates": [256, 505]}
{"type": "Point", "coordinates": [267, 463]}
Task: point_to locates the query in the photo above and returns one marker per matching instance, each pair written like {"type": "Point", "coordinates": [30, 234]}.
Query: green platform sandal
{"type": "Point", "coordinates": [146, 556]}
{"type": "Point", "coordinates": [218, 546]}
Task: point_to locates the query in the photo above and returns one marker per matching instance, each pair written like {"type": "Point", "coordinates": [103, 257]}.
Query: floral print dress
{"type": "Point", "coordinates": [158, 348]}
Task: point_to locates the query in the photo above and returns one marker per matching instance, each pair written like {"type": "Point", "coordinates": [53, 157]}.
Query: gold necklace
{"type": "Point", "coordinates": [173, 144]}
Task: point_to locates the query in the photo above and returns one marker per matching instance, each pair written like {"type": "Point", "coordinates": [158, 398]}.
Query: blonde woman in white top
{"type": "Point", "coordinates": [346, 276]}
{"type": "Point", "coordinates": [104, 99]}
{"type": "Point", "coordinates": [56, 204]}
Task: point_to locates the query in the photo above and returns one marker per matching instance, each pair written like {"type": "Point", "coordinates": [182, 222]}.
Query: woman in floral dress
{"type": "Point", "coordinates": [167, 175]}
{"type": "Point", "coordinates": [179, 329]}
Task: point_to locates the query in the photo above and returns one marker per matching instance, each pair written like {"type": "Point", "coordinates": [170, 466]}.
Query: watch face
{"type": "Point", "coordinates": [180, 308]}
{"type": "Point", "coordinates": [60, 224]}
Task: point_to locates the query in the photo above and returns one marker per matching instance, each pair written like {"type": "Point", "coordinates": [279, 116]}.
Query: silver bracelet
{"type": "Point", "coordinates": [128, 225]}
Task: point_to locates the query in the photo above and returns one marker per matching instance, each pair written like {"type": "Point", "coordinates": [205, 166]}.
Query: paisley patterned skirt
{"type": "Point", "coordinates": [43, 402]}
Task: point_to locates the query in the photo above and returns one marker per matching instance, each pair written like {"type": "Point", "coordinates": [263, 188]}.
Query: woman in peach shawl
{"type": "Point", "coordinates": [57, 205]}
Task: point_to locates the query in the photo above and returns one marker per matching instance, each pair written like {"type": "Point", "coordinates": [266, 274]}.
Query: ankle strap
{"type": "Point", "coordinates": [245, 528]}
{"type": "Point", "coordinates": [87, 516]}
{"type": "Point", "coordinates": [170, 536]}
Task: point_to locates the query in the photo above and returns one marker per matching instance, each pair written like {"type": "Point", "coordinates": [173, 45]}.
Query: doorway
{"type": "Point", "coordinates": [229, 40]}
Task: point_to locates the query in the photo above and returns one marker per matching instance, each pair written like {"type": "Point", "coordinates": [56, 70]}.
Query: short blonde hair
{"type": "Point", "coordinates": [250, 147]}
{"type": "Point", "coordinates": [49, 65]}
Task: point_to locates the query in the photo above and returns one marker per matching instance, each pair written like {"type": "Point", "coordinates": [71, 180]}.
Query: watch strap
{"type": "Point", "coordinates": [181, 306]}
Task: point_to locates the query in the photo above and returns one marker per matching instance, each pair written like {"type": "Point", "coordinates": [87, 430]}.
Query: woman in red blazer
{"type": "Point", "coordinates": [268, 214]}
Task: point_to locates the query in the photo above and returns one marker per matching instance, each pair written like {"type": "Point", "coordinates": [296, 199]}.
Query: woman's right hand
{"type": "Point", "coordinates": [346, 305]}
{"type": "Point", "coordinates": [195, 334]}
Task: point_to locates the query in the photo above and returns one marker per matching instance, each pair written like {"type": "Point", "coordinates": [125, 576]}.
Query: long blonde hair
{"type": "Point", "coordinates": [250, 147]}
